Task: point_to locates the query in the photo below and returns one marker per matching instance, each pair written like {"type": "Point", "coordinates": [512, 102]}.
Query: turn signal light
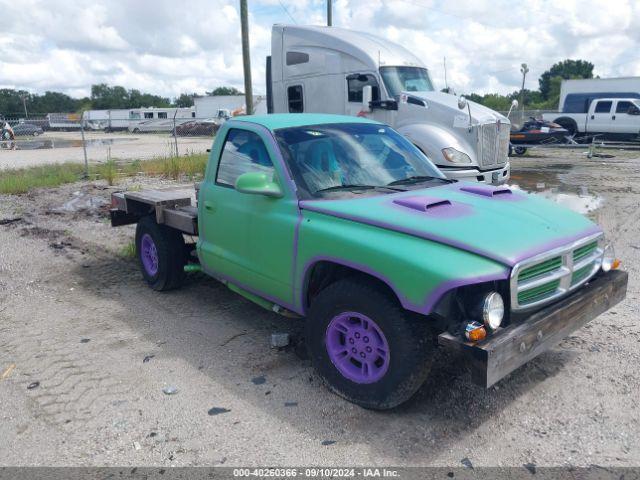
{"type": "Point", "coordinates": [474, 332]}
{"type": "Point", "coordinates": [616, 264]}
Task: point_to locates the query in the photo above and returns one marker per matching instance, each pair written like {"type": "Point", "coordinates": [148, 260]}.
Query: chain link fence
{"type": "Point", "coordinates": [519, 116]}
{"type": "Point", "coordinates": [109, 138]}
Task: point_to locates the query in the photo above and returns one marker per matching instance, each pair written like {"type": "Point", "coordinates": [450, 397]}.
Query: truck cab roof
{"type": "Point", "coordinates": [373, 51]}
{"type": "Point", "coordinates": [275, 121]}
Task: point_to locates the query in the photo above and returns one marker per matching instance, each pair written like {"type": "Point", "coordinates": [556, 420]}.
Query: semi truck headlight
{"type": "Point", "coordinates": [609, 260]}
{"type": "Point", "coordinates": [493, 310]}
{"type": "Point", "coordinates": [455, 156]}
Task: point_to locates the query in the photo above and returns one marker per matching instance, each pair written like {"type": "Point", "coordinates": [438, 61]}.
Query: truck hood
{"type": "Point", "coordinates": [500, 223]}
{"type": "Point", "coordinates": [447, 102]}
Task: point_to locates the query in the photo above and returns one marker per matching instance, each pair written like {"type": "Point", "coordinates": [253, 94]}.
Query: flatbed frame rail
{"type": "Point", "coordinates": [174, 207]}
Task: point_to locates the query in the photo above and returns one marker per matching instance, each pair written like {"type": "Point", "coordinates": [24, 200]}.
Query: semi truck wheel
{"type": "Point", "coordinates": [161, 254]}
{"type": "Point", "coordinates": [365, 347]}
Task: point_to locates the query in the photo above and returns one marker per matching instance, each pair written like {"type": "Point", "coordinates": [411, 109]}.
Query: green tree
{"type": "Point", "coordinates": [225, 91]}
{"type": "Point", "coordinates": [564, 70]}
{"type": "Point", "coordinates": [185, 100]}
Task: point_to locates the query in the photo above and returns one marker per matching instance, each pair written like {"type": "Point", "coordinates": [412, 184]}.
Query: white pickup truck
{"type": "Point", "coordinates": [608, 118]}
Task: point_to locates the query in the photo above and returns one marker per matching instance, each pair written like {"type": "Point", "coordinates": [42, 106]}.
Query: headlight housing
{"type": "Point", "coordinates": [492, 310]}
{"type": "Point", "coordinates": [455, 156]}
{"type": "Point", "coordinates": [609, 261]}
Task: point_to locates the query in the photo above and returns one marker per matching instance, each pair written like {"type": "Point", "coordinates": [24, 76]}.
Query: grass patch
{"type": "Point", "coordinates": [129, 250]}
{"type": "Point", "coordinates": [108, 171]}
{"type": "Point", "coordinates": [192, 165]}
{"type": "Point", "coordinates": [21, 180]}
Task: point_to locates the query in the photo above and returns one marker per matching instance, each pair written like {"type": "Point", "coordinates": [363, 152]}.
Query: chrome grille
{"type": "Point", "coordinates": [493, 140]}
{"type": "Point", "coordinates": [548, 276]}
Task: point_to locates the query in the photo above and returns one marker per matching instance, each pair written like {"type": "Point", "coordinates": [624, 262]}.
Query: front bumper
{"type": "Point", "coordinates": [492, 177]}
{"type": "Point", "coordinates": [510, 347]}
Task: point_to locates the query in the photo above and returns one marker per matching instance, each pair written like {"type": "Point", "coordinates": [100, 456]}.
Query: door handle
{"type": "Point", "coordinates": [209, 206]}
{"type": "Point", "coordinates": [592, 117]}
{"type": "Point", "coordinates": [613, 117]}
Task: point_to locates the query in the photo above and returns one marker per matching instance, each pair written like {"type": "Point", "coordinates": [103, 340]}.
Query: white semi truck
{"type": "Point", "coordinates": [333, 70]}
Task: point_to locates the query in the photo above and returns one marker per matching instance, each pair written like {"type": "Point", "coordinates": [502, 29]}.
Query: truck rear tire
{"type": "Point", "coordinates": [365, 346]}
{"type": "Point", "coordinates": [567, 123]}
{"type": "Point", "coordinates": [161, 254]}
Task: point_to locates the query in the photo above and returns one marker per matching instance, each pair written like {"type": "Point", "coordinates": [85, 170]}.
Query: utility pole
{"type": "Point", "coordinates": [523, 70]}
{"type": "Point", "coordinates": [246, 56]}
{"type": "Point", "coordinates": [24, 104]}
{"type": "Point", "coordinates": [446, 85]}
{"type": "Point", "coordinates": [329, 14]}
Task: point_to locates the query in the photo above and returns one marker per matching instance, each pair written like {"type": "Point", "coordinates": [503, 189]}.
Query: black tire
{"type": "Point", "coordinates": [171, 254]}
{"type": "Point", "coordinates": [568, 124]}
{"type": "Point", "coordinates": [408, 336]}
{"type": "Point", "coordinates": [520, 150]}
{"type": "Point", "coordinates": [136, 130]}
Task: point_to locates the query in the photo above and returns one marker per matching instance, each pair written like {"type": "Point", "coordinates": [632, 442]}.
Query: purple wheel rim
{"type": "Point", "coordinates": [357, 347]}
{"type": "Point", "coordinates": [149, 254]}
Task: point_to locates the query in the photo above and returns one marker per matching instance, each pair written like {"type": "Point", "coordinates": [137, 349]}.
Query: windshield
{"type": "Point", "coordinates": [348, 156]}
{"type": "Point", "coordinates": [406, 79]}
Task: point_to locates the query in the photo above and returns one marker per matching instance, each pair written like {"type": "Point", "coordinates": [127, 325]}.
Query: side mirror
{"type": "Point", "coordinates": [514, 104]}
{"type": "Point", "coordinates": [462, 102]}
{"type": "Point", "coordinates": [367, 96]}
{"type": "Point", "coordinates": [258, 183]}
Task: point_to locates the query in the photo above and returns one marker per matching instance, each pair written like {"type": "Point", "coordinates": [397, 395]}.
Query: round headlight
{"type": "Point", "coordinates": [608, 258]}
{"type": "Point", "coordinates": [493, 310]}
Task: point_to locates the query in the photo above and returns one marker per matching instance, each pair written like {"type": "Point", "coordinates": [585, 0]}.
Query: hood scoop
{"type": "Point", "coordinates": [422, 204]}
{"type": "Point", "coordinates": [434, 207]}
{"type": "Point", "coordinates": [487, 191]}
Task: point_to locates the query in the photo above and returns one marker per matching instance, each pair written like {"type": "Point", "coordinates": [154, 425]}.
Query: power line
{"type": "Point", "coordinates": [287, 12]}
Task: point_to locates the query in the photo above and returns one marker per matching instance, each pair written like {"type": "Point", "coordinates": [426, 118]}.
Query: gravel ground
{"type": "Point", "coordinates": [86, 350]}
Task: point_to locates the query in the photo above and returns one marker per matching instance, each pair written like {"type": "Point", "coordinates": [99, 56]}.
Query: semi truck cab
{"type": "Point", "coordinates": [333, 70]}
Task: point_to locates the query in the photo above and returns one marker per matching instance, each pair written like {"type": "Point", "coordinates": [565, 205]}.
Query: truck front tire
{"type": "Point", "coordinates": [161, 254]}
{"type": "Point", "coordinates": [365, 347]}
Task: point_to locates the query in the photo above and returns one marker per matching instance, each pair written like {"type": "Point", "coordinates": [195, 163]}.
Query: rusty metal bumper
{"type": "Point", "coordinates": [510, 347]}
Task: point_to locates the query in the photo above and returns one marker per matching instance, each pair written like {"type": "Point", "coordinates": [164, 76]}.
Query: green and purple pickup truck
{"type": "Point", "coordinates": [343, 222]}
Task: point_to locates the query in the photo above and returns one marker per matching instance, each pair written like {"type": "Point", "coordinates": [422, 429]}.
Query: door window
{"type": "Point", "coordinates": [294, 95]}
{"type": "Point", "coordinates": [148, 114]}
{"type": "Point", "coordinates": [162, 114]}
{"type": "Point", "coordinates": [603, 107]}
{"type": "Point", "coordinates": [243, 151]}
{"type": "Point", "coordinates": [355, 84]}
{"type": "Point", "coordinates": [623, 107]}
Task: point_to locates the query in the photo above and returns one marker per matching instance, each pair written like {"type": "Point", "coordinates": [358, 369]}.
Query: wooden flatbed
{"type": "Point", "coordinates": [175, 207]}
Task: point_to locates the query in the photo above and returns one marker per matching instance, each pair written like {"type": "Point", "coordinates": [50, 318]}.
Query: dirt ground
{"type": "Point", "coordinates": [86, 350]}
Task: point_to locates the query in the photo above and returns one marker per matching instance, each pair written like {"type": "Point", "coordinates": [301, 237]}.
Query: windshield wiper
{"type": "Point", "coordinates": [349, 186]}
{"type": "Point", "coordinates": [416, 179]}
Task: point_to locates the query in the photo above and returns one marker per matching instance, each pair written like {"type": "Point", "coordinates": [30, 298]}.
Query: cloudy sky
{"type": "Point", "coordinates": [168, 47]}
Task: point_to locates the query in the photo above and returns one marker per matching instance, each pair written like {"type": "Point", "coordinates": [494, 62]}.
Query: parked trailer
{"type": "Point", "coordinates": [107, 120]}
{"type": "Point", "coordinates": [64, 121]}
{"type": "Point", "coordinates": [572, 90]}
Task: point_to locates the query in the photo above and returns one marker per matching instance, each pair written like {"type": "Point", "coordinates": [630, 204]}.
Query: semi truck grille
{"type": "Point", "coordinates": [493, 140]}
{"type": "Point", "coordinates": [543, 278]}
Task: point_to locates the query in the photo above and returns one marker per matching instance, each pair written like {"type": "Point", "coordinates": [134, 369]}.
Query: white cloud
{"type": "Point", "coordinates": [167, 48]}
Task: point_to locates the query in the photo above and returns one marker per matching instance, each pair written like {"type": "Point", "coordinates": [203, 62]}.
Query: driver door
{"type": "Point", "coordinates": [355, 82]}
{"type": "Point", "coordinates": [247, 239]}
